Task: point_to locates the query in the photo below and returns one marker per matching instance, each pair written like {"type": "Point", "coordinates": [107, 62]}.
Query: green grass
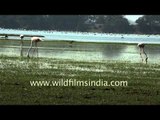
{"type": "Point", "coordinates": [15, 74]}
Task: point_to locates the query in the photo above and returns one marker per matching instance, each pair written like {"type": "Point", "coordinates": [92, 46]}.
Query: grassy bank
{"type": "Point", "coordinates": [16, 74]}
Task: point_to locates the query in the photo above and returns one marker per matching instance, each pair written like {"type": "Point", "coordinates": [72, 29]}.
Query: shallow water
{"type": "Point", "coordinates": [90, 52]}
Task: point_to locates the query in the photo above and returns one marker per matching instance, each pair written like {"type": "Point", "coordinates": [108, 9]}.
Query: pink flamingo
{"type": "Point", "coordinates": [141, 46]}
{"type": "Point", "coordinates": [34, 40]}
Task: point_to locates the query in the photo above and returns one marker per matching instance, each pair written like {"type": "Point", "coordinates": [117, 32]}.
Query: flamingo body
{"type": "Point", "coordinates": [34, 40]}
{"type": "Point", "coordinates": [141, 46]}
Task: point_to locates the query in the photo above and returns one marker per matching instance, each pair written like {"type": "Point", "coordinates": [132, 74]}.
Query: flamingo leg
{"type": "Point", "coordinates": [146, 56]}
{"type": "Point", "coordinates": [37, 52]}
{"type": "Point", "coordinates": [141, 54]}
{"type": "Point", "coordinates": [36, 48]}
{"type": "Point", "coordinates": [21, 47]}
{"type": "Point", "coordinates": [29, 49]}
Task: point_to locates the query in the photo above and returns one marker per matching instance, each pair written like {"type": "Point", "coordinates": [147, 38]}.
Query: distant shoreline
{"type": "Point", "coordinates": [78, 32]}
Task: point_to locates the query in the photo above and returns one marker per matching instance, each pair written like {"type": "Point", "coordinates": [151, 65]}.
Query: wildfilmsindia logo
{"type": "Point", "coordinates": [75, 82]}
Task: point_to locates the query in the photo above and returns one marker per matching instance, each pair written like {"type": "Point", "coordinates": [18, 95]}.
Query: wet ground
{"type": "Point", "coordinates": [84, 51]}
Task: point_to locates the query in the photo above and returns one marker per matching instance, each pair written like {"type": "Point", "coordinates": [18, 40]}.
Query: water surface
{"type": "Point", "coordinates": [86, 36]}
{"type": "Point", "coordinates": [89, 52]}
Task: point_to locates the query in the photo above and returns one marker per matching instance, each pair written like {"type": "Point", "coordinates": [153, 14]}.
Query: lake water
{"type": "Point", "coordinates": [88, 51]}
{"type": "Point", "coordinates": [87, 37]}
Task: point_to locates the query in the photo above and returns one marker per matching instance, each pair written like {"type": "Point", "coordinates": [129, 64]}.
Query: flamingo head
{"type": "Point", "coordinates": [40, 39]}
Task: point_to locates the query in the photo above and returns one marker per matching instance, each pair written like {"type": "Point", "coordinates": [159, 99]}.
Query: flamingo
{"type": "Point", "coordinates": [6, 36]}
{"type": "Point", "coordinates": [34, 40]}
{"type": "Point", "coordinates": [21, 36]}
{"type": "Point", "coordinates": [141, 46]}
{"type": "Point", "coordinates": [21, 45]}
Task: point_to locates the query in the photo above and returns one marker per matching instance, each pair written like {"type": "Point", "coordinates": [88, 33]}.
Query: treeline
{"type": "Point", "coordinates": [148, 24]}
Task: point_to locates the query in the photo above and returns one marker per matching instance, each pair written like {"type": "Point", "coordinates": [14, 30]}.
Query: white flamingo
{"type": "Point", "coordinates": [141, 47]}
{"type": "Point", "coordinates": [21, 45]}
{"type": "Point", "coordinates": [34, 40]}
{"type": "Point", "coordinates": [21, 36]}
